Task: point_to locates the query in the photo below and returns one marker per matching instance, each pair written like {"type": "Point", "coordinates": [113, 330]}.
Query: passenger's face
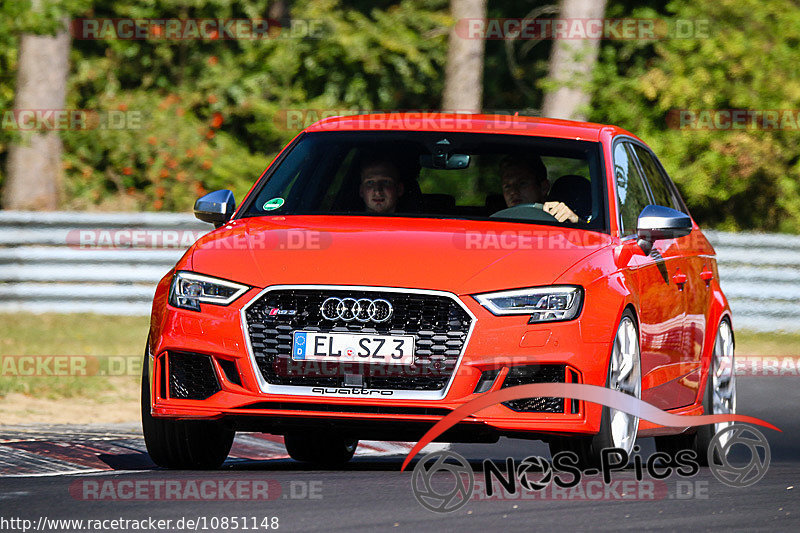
{"type": "Point", "coordinates": [380, 188]}
{"type": "Point", "coordinates": [521, 186]}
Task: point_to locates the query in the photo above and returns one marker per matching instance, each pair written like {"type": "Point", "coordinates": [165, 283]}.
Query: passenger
{"type": "Point", "coordinates": [381, 186]}
{"type": "Point", "coordinates": [524, 181]}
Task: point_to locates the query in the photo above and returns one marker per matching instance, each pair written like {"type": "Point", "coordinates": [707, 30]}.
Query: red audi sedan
{"type": "Point", "coordinates": [386, 269]}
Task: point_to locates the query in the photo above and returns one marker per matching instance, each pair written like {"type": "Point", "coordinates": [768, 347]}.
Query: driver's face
{"type": "Point", "coordinates": [521, 186]}
{"type": "Point", "coordinates": [380, 189]}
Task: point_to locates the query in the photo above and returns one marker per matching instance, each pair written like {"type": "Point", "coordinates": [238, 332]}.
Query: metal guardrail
{"type": "Point", "coordinates": [46, 267]}
{"type": "Point", "coordinates": [49, 261]}
{"type": "Point", "coordinates": [759, 273]}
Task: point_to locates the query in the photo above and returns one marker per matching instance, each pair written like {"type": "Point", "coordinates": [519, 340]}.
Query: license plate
{"type": "Point", "coordinates": [347, 347]}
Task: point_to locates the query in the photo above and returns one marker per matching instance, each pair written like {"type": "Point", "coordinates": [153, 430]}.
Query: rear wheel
{"type": "Point", "coordinates": [617, 428]}
{"type": "Point", "coordinates": [322, 448]}
{"type": "Point", "coordinates": [182, 444]}
{"type": "Point", "coordinates": [719, 398]}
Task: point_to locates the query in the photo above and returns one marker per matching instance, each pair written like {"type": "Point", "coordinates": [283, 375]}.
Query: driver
{"type": "Point", "coordinates": [381, 186]}
{"type": "Point", "coordinates": [524, 181]}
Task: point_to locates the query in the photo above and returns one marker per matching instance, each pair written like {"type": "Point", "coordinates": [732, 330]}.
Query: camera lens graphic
{"type": "Point", "coordinates": [444, 497]}
{"type": "Point", "coordinates": [535, 473]}
{"type": "Point", "coordinates": [719, 460]}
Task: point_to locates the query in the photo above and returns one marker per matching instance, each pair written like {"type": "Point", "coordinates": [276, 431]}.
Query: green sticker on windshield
{"type": "Point", "coordinates": [273, 204]}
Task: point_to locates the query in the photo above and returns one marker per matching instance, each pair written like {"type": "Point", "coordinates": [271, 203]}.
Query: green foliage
{"type": "Point", "coordinates": [8, 65]}
{"type": "Point", "coordinates": [731, 179]}
{"type": "Point", "coordinates": [163, 158]}
{"type": "Point", "coordinates": [213, 111]}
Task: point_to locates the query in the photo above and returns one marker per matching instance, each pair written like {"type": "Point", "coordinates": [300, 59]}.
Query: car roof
{"type": "Point", "coordinates": [476, 123]}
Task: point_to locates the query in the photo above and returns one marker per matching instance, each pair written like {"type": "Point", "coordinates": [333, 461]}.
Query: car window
{"type": "Point", "coordinates": [469, 187]}
{"type": "Point", "coordinates": [662, 194]}
{"type": "Point", "coordinates": [504, 177]}
{"type": "Point", "coordinates": [630, 188]}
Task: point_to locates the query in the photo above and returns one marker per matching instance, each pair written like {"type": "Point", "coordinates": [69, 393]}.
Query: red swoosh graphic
{"type": "Point", "coordinates": [590, 393]}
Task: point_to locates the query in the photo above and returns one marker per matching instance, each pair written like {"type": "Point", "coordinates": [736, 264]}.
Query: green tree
{"type": "Point", "coordinates": [213, 112]}
{"type": "Point", "coordinates": [746, 59]}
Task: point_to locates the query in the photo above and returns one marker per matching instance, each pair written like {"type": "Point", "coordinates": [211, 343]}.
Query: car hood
{"type": "Point", "coordinates": [458, 256]}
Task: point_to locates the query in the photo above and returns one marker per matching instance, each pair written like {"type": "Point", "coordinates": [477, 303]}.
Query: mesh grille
{"type": "Point", "coordinates": [438, 324]}
{"type": "Point", "coordinates": [191, 376]}
{"type": "Point", "coordinates": [524, 375]}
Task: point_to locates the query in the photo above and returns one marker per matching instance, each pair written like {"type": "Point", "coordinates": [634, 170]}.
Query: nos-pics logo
{"type": "Point", "coordinates": [444, 481]}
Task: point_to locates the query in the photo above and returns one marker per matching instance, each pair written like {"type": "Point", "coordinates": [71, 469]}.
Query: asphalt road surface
{"type": "Point", "coordinates": [94, 474]}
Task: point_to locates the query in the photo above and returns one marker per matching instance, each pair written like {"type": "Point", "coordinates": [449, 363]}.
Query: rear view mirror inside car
{"type": "Point", "coordinates": [445, 161]}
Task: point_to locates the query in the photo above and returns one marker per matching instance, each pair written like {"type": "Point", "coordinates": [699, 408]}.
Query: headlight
{"type": "Point", "coordinates": [189, 289]}
{"type": "Point", "coordinates": [543, 304]}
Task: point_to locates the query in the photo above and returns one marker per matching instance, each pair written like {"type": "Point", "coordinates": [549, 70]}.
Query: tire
{"type": "Point", "coordinates": [324, 449]}
{"type": "Point", "coordinates": [617, 429]}
{"type": "Point", "coordinates": [179, 444]}
{"type": "Point", "coordinates": [719, 397]}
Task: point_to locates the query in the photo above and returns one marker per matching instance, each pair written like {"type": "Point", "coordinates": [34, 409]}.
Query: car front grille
{"type": "Point", "coordinates": [524, 375]}
{"type": "Point", "coordinates": [438, 323]}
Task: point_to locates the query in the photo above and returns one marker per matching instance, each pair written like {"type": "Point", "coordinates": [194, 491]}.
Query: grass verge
{"type": "Point", "coordinates": [89, 339]}
{"type": "Point", "coordinates": [749, 343]}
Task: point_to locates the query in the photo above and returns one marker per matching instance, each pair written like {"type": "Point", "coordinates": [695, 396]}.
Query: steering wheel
{"type": "Point", "coordinates": [526, 212]}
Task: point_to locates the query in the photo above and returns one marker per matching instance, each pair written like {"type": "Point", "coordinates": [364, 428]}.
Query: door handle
{"type": "Point", "coordinates": [679, 279]}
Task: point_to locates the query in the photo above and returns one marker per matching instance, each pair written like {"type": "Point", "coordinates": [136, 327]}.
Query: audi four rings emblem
{"type": "Point", "coordinates": [362, 310]}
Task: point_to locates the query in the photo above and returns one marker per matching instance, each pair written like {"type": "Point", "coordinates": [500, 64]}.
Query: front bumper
{"type": "Point", "coordinates": [495, 344]}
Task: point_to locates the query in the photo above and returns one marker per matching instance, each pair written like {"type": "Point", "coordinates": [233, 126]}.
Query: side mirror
{"type": "Point", "coordinates": [215, 207]}
{"type": "Point", "coordinates": [659, 222]}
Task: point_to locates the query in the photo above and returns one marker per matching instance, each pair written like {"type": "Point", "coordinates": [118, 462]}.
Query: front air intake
{"type": "Point", "coordinates": [191, 376]}
{"type": "Point", "coordinates": [525, 375]}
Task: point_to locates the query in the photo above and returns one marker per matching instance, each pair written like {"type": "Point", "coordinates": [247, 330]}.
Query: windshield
{"type": "Point", "coordinates": [434, 174]}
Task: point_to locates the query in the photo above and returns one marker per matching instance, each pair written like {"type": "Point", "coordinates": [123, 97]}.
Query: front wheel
{"type": "Point", "coordinates": [182, 444]}
{"type": "Point", "coordinates": [617, 428]}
